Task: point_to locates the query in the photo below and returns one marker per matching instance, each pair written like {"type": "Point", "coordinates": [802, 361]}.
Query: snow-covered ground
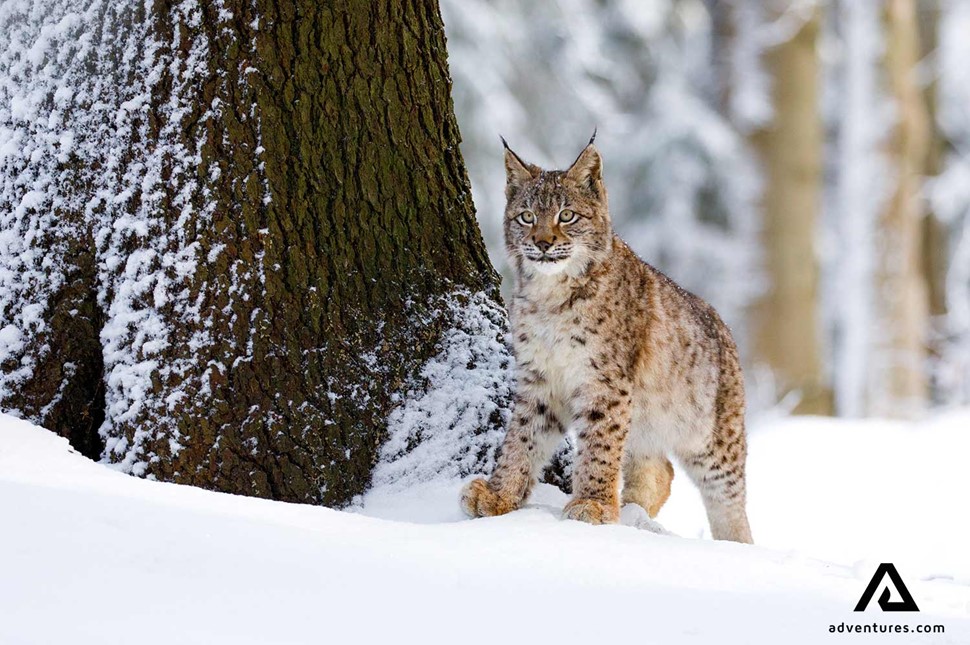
{"type": "Point", "coordinates": [88, 555]}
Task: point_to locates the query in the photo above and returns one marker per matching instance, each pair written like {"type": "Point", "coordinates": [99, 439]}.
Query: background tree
{"type": "Point", "coordinates": [238, 236]}
{"type": "Point", "coordinates": [786, 328]}
{"type": "Point", "coordinates": [877, 295]}
{"type": "Point", "coordinates": [934, 236]}
{"type": "Point", "coordinates": [900, 373]}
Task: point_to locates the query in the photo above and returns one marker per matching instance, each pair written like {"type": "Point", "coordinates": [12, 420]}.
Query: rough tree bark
{"type": "Point", "coordinates": [272, 232]}
{"type": "Point", "coordinates": [786, 330]}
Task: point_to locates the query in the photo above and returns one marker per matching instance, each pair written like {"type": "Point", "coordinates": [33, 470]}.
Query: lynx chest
{"type": "Point", "coordinates": [552, 344]}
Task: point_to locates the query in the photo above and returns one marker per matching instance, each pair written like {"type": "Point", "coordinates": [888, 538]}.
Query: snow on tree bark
{"type": "Point", "coordinates": [251, 223]}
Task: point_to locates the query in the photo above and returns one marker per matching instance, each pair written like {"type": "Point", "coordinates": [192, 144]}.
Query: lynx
{"type": "Point", "coordinates": [610, 347]}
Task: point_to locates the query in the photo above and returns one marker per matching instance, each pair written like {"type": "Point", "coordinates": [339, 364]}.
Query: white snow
{"type": "Point", "coordinates": [93, 556]}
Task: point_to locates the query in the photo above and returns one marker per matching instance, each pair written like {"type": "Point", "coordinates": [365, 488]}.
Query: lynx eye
{"type": "Point", "coordinates": [527, 218]}
{"type": "Point", "coordinates": [566, 216]}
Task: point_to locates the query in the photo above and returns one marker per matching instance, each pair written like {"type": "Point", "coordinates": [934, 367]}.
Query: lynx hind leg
{"type": "Point", "coordinates": [719, 474]}
{"type": "Point", "coordinates": [646, 482]}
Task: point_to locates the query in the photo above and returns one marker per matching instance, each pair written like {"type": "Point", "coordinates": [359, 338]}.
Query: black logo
{"type": "Point", "coordinates": [906, 604]}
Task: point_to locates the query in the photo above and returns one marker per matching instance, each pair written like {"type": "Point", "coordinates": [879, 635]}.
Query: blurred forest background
{"type": "Point", "coordinates": [804, 165]}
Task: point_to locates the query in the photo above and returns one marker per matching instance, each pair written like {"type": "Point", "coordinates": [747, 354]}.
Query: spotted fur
{"type": "Point", "coordinates": [610, 347]}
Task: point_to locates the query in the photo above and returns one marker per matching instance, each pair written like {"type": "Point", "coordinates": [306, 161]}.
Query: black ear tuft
{"type": "Point", "coordinates": [587, 171]}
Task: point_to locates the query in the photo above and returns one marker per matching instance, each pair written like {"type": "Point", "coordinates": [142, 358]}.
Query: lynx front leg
{"type": "Point", "coordinates": [603, 425]}
{"type": "Point", "coordinates": [533, 435]}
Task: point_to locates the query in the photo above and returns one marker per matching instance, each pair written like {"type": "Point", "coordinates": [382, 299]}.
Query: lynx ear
{"type": "Point", "coordinates": [587, 171]}
{"type": "Point", "coordinates": [517, 172]}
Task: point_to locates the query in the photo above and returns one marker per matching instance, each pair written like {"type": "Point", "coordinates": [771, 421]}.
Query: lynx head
{"type": "Point", "coordinates": [556, 220]}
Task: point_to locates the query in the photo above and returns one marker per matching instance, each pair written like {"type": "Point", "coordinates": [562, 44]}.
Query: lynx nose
{"type": "Point", "coordinates": [543, 245]}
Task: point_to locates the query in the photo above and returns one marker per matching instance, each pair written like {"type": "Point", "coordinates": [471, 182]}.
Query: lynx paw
{"type": "Point", "coordinates": [478, 500]}
{"type": "Point", "coordinates": [591, 511]}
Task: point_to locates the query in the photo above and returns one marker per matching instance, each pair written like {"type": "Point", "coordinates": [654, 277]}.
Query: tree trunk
{"type": "Point", "coordinates": [787, 335]}
{"type": "Point", "coordinates": [935, 245]}
{"type": "Point", "coordinates": [935, 250]}
{"type": "Point", "coordinates": [274, 233]}
{"type": "Point", "coordinates": [901, 294]}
